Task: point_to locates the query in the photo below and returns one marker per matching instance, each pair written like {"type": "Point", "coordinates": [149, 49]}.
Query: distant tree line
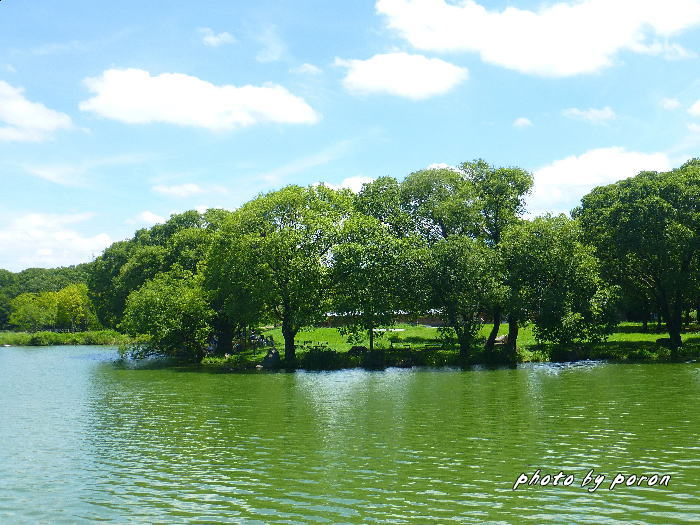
{"type": "Point", "coordinates": [453, 242]}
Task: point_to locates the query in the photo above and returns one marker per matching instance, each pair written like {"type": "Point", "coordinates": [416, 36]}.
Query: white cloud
{"type": "Point", "coordinates": [47, 240]}
{"type": "Point", "coordinates": [273, 47]}
{"type": "Point", "coordinates": [306, 69]}
{"type": "Point", "coordinates": [24, 121]}
{"type": "Point", "coordinates": [592, 115]}
{"type": "Point", "coordinates": [669, 104]}
{"type": "Point", "coordinates": [209, 38]}
{"type": "Point", "coordinates": [411, 76]}
{"type": "Point", "coordinates": [179, 190]}
{"type": "Point", "coordinates": [695, 109]}
{"type": "Point", "coordinates": [557, 39]}
{"type": "Point", "coordinates": [10, 68]}
{"type": "Point", "coordinates": [693, 127]}
{"type": "Point", "coordinates": [522, 122]}
{"type": "Point", "coordinates": [135, 97]}
{"type": "Point", "coordinates": [560, 185]}
{"type": "Point", "coordinates": [146, 218]}
{"type": "Point", "coordinates": [354, 184]}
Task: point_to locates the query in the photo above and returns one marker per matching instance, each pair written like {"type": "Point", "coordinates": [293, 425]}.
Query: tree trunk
{"type": "Point", "coordinates": [645, 323]}
{"type": "Point", "coordinates": [290, 355]}
{"type": "Point", "coordinates": [371, 339]}
{"type": "Point", "coordinates": [494, 331]}
{"type": "Point", "coordinates": [674, 324]}
{"type": "Point", "coordinates": [224, 337]}
{"type": "Point", "coordinates": [513, 339]}
{"type": "Point", "coordinates": [464, 342]}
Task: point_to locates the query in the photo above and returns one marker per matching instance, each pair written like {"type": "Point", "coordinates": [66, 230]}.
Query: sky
{"type": "Point", "coordinates": [114, 115]}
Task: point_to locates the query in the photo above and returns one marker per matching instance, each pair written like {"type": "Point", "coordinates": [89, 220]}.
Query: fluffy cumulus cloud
{"type": "Point", "coordinates": [24, 121]}
{"type": "Point", "coordinates": [48, 240]}
{"type": "Point", "coordinates": [212, 39]}
{"type": "Point", "coordinates": [410, 76]}
{"type": "Point", "coordinates": [558, 39]}
{"type": "Point", "coordinates": [592, 115]}
{"type": "Point", "coordinates": [560, 185]}
{"type": "Point", "coordinates": [134, 96]}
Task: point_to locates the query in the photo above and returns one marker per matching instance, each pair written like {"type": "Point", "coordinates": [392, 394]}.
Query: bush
{"type": "Point", "coordinates": [322, 359]}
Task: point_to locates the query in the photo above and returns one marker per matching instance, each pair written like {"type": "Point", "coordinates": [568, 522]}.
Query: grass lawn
{"type": "Point", "coordinates": [628, 342]}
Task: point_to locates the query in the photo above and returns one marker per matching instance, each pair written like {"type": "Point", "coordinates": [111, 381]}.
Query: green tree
{"type": "Point", "coordinates": [376, 275]}
{"type": "Point", "coordinates": [439, 203]}
{"type": "Point", "coordinates": [34, 311]}
{"type": "Point", "coordinates": [466, 282]}
{"type": "Point", "coordinates": [646, 230]}
{"type": "Point", "coordinates": [499, 195]}
{"type": "Point", "coordinates": [172, 312]}
{"type": "Point", "coordinates": [554, 280]}
{"type": "Point", "coordinates": [74, 309]}
{"type": "Point", "coordinates": [286, 236]}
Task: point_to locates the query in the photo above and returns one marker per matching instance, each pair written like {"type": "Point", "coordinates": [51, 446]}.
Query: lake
{"type": "Point", "coordinates": [85, 440]}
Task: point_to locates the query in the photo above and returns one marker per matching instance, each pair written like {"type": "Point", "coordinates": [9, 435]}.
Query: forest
{"type": "Point", "coordinates": [453, 244]}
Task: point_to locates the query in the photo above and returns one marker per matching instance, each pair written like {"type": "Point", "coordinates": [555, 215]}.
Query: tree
{"type": "Point", "coordinates": [34, 311]}
{"type": "Point", "coordinates": [74, 309]}
{"type": "Point", "coordinates": [466, 282]}
{"type": "Point", "coordinates": [439, 203]}
{"type": "Point", "coordinates": [554, 280]}
{"type": "Point", "coordinates": [499, 195]}
{"type": "Point", "coordinates": [375, 275]}
{"type": "Point", "coordinates": [286, 236]}
{"type": "Point", "coordinates": [646, 230]}
{"type": "Point", "coordinates": [172, 311]}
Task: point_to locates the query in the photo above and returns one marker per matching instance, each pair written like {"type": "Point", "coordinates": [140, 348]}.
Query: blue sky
{"type": "Point", "coordinates": [115, 115]}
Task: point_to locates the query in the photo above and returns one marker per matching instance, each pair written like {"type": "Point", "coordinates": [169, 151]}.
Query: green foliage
{"type": "Point", "coordinates": [554, 280]}
{"type": "Point", "coordinates": [376, 275]}
{"type": "Point", "coordinates": [34, 311]}
{"type": "Point", "coordinates": [172, 312]}
{"type": "Point", "coordinates": [646, 231]}
{"type": "Point", "coordinates": [466, 280]}
{"type": "Point", "coordinates": [284, 240]}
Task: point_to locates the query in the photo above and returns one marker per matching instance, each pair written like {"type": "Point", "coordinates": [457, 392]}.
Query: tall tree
{"type": "Point", "coordinates": [376, 275]}
{"type": "Point", "coordinates": [499, 195]}
{"type": "Point", "coordinates": [287, 236]}
{"type": "Point", "coordinates": [554, 280]}
{"type": "Point", "coordinates": [466, 283]}
{"type": "Point", "coordinates": [646, 229]}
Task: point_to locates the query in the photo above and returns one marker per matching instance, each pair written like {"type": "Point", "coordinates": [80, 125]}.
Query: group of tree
{"type": "Point", "coordinates": [69, 309]}
{"type": "Point", "coordinates": [35, 281]}
{"type": "Point", "coordinates": [454, 242]}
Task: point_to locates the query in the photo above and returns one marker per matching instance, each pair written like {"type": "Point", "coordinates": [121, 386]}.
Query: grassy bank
{"type": "Point", "coordinates": [100, 337]}
{"type": "Point", "coordinates": [408, 345]}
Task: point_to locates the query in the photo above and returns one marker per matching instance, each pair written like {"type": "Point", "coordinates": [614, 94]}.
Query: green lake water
{"type": "Point", "coordinates": [83, 440]}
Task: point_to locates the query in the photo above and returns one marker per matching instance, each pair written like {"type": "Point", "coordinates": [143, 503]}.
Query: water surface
{"type": "Point", "coordinates": [84, 440]}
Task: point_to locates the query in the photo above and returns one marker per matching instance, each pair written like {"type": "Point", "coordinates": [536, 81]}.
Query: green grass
{"type": "Point", "coordinates": [97, 337]}
{"type": "Point", "coordinates": [628, 343]}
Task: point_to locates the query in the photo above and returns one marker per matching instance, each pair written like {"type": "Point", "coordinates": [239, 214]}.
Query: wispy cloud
{"type": "Point", "coordinates": [273, 47]}
{"type": "Point", "coordinates": [325, 156]}
{"type": "Point", "coordinates": [212, 39]}
{"type": "Point", "coordinates": [591, 115]}
{"type": "Point", "coordinates": [75, 174]}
